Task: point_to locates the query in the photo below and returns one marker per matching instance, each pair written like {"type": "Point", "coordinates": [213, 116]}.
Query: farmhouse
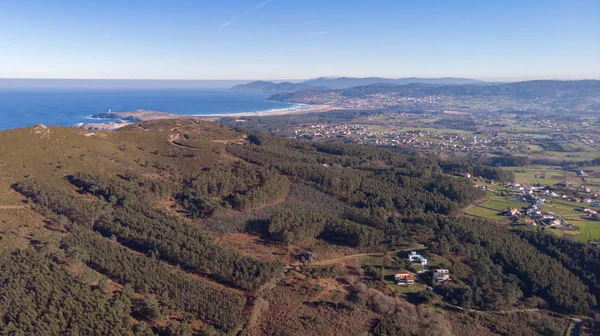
{"type": "Point", "coordinates": [414, 257]}
{"type": "Point", "coordinates": [404, 278]}
{"type": "Point", "coordinates": [511, 212]}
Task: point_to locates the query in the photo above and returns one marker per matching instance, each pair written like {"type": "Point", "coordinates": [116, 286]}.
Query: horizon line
{"type": "Point", "coordinates": [488, 79]}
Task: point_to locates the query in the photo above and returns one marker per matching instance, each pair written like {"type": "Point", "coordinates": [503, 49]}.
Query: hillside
{"type": "Point", "coordinates": [326, 83]}
{"type": "Point", "coordinates": [186, 227]}
{"type": "Point", "coordinates": [270, 87]}
{"type": "Point", "coordinates": [530, 89]}
{"type": "Point", "coordinates": [348, 82]}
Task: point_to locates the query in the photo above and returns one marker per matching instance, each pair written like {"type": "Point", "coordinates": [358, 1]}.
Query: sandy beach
{"type": "Point", "coordinates": [127, 118]}
{"type": "Point", "coordinates": [311, 109]}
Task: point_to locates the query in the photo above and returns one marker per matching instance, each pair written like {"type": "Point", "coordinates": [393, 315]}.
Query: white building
{"type": "Point", "coordinates": [414, 257]}
{"type": "Point", "coordinates": [441, 275]}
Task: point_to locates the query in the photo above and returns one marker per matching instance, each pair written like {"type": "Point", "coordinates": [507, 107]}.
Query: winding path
{"type": "Point", "coordinates": [355, 256]}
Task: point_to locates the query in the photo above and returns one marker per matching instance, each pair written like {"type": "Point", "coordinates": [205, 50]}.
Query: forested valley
{"type": "Point", "coordinates": [196, 242]}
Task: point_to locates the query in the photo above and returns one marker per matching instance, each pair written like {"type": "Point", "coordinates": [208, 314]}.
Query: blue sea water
{"type": "Point", "coordinates": [26, 107]}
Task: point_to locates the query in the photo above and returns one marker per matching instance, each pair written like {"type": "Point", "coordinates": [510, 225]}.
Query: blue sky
{"type": "Point", "coordinates": [295, 39]}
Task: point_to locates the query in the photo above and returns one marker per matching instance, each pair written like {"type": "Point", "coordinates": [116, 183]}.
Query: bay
{"type": "Point", "coordinates": [27, 107]}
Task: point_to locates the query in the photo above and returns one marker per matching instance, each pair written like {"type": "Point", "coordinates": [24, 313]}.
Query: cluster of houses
{"type": "Point", "coordinates": [560, 190]}
{"type": "Point", "coordinates": [537, 196]}
{"type": "Point", "coordinates": [407, 278]}
{"type": "Point", "coordinates": [536, 216]}
{"type": "Point", "coordinates": [591, 214]}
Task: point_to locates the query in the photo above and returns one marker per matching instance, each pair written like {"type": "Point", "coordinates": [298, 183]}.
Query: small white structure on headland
{"type": "Point", "coordinates": [441, 275]}
{"type": "Point", "coordinates": [414, 257]}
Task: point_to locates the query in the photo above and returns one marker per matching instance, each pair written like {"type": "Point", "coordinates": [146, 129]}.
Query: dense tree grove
{"type": "Point", "coordinates": [49, 200]}
{"type": "Point", "coordinates": [150, 231]}
{"type": "Point", "coordinates": [581, 164]}
{"type": "Point", "coordinates": [508, 161]}
{"type": "Point", "coordinates": [273, 190]}
{"type": "Point", "coordinates": [581, 259]}
{"type": "Point", "coordinates": [127, 190]}
{"type": "Point", "coordinates": [497, 267]}
{"type": "Point", "coordinates": [477, 169]}
{"type": "Point", "coordinates": [302, 199]}
{"type": "Point", "coordinates": [240, 187]}
{"type": "Point", "coordinates": [216, 306]}
{"type": "Point", "coordinates": [38, 297]}
{"type": "Point", "coordinates": [291, 226]}
{"type": "Point", "coordinates": [137, 225]}
{"type": "Point", "coordinates": [407, 185]}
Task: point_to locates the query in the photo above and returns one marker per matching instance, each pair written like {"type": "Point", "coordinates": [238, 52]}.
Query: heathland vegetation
{"type": "Point", "coordinates": [144, 234]}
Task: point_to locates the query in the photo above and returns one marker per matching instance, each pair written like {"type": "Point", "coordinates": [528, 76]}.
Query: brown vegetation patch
{"type": "Point", "coordinates": [298, 305]}
{"type": "Point", "coordinates": [252, 245]}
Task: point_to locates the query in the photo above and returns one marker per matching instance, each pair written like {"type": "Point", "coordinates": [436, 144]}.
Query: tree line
{"type": "Point", "coordinates": [216, 306]}
{"type": "Point", "coordinates": [290, 226]}
{"type": "Point", "coordinates": [136, 224]}
{"type": "Point", "coordinates": [38, 297]}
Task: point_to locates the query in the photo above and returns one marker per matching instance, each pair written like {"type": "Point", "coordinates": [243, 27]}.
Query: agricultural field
{"type": "Point", "coordinates": [534, 174]}
{"type": "Point", "coordinates": [492, 207]}
{"type": "Point", "coordinates": [587, 229]}
{"type": "Point", "coordinates": [494, 204]}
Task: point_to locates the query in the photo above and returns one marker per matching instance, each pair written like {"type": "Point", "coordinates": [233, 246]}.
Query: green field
{"type": "Point", "coordinates": [526, 175]}
{"type": "Point", "coordinates": [588, 229]}
{"type": "Point", "coordinates": [493, 206]}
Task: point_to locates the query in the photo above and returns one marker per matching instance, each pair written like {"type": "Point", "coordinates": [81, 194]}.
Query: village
{"type": "Point", "coordinates": [378, 100]}
{"type": "Point", "coordinates": [465, 134]}
{"type": "Point", "coordinates": [563, 206]}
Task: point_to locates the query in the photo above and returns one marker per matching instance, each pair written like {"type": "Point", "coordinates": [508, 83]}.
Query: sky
{"type": "Point", "coordinates": [299, 39]}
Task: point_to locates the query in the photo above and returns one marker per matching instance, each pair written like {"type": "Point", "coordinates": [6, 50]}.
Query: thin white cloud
{"type": "Point", "coordinates": [262, 4]}
{"type": "Point", "coordinates": [228, 23]}
{"type": "Point", "coordinates": [247, 12]}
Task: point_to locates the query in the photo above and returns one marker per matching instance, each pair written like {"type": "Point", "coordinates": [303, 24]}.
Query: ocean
{"type": "Point", "coordinates": [27, 107]}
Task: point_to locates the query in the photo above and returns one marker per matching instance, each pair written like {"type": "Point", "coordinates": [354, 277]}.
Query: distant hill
{"type": "Point", "coordinates": [524, 90]}
{"type": "Point", "coordinates": [347, 82]}
{"type": "Point", "coordinates": [325, 83]}
{"type": "Point", "coordinates": [270, 87]}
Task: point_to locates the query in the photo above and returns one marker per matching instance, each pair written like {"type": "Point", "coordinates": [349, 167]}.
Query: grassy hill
{"type": "Point", "coordinates": [184, 227]}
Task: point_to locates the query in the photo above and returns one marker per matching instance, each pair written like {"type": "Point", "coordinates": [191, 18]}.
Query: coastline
{"type": "Point", "coordinates": [276, 112]}
{"type": "Point", "coordinates": [123, 119]}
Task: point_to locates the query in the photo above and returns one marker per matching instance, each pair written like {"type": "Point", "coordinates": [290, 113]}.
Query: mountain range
{"type": "Point", "coordinates": [334, 83]}
{"type": "Point", "coordinates": [528, 89]}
